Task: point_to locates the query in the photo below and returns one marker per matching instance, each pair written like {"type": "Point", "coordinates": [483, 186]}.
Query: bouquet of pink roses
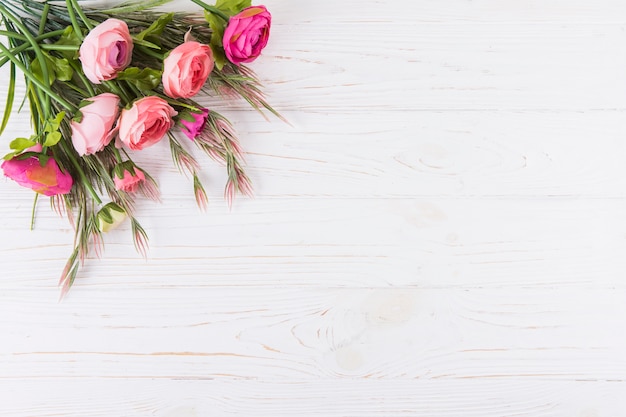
{"type": "Point", "coordinates": [103, 84]}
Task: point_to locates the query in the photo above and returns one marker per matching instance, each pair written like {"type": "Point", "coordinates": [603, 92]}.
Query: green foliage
{"type": "Point", "coordinates": [58, 68]}
{"type": "Point", "coordinates": [232, 7]}
{"type": "Point", "coordinates": [69, 37]}
{"type": "Point", "coordinates": [218, 25]}
{"type": "Point", "coordinates": [20, 144]}
{"type": "Point", "coordinates": [151, 37]}
{"type": "Point", "coordinates": [144, 79]}
{"type": "Point", "coordinates": [10, 99]}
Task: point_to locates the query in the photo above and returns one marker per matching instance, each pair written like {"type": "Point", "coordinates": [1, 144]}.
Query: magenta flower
{"type": "Point", "coordinates": [48, 179]}
{"type": "Point", "coordinates": [193, 129]}
{"type": "Point", "coordinates": [246, 34]}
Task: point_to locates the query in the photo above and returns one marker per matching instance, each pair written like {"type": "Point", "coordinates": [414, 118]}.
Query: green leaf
{"type": "Point", "coordinates": [217, 26]}
{"type": "Point", "coordinates": [20, 144]}
{"type": "Point", "coordinates": [58, 68]}
{"type": "Point", "coordinates": [35, 68]}
{"type": "Point", "coordinates": [43, 160]}
{"type": "Point", "coordinates": [219, 57]}
{"type": "Point", "coordinates": [10, 98]}
{"type": "Point", "coordinates": [9, 156]}
{"type": "Point", "coordinates": [232, 7]}
{"type": "Point", "coordinates": [53, 124]}
{"type": "Point", "coordinates": [69, 37]}
{"type": "Point", "coordinates": [153, 33]}
{"type": "Point", "coordinates": [62, 68]}
{"type": "Point", "coordinates": [52, 139]}
{"type": "Point", "coordinates": [144, 79]}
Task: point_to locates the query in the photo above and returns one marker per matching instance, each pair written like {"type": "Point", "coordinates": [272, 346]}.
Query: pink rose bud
{"type": "Point", "coordinates": [145, 123]}
{"type": "Point", "coordinates": [186, 69]}
{"type": "Point", "coordinates": [246, 34]}
{"type": "Point", "coordinates": [129, 182]}
{"type": "Point", "coordinates": [193, 129]}
{"type": "Point", "coordinates": [106, 50]}
{"type": "Point", "coordinates": [48, 179]}
{"type": "Point", "coordinates": [95, 130]}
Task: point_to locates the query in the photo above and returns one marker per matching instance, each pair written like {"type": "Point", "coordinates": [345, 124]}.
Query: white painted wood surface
{"type": "Point", "coordinates": [441, 232]}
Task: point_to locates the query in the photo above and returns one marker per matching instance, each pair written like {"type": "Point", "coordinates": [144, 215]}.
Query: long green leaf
{"type": "Point", "coordinates": [10, 98]}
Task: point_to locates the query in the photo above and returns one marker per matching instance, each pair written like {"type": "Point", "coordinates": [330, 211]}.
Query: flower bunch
{"type": "Point", "coordinates": [103, 84]}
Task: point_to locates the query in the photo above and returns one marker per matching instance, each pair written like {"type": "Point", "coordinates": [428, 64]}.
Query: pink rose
{"type": "Point", "coordinates": [246, 34]}
{"type": "Point", "coordinates": [48, 180]}
{"type": "Point", "coordinates": [193, 129]}
{"type": "Point", "coordinates": [106, 50]}
{"type": "Point", "coordinates": [95, 130]}
{"type": "Point", "coordinates": [145, 123]}
{"type": "Point", "coordinates": [129, 182]}
{"type": "Point", "coordinates": [186, 69]}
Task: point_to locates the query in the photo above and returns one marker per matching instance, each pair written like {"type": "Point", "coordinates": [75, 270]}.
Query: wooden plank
{"type": "Point", "coordinates": [431, 243]}
{"type": "Point", "coordinates": [299, 334]}
{"type": "Point", "coordinates": [324, 398]}
{"type": "Point", "coordinates": [407, 154]}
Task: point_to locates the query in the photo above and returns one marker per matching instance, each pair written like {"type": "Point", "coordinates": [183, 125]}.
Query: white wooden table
{"type": "Point", "coordinates": [441, 232]}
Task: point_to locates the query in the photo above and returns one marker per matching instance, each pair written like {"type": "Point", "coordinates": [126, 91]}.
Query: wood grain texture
{"type": "Point", "coordinates": [440, 231]}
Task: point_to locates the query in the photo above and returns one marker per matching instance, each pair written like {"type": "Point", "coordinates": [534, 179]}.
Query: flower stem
{"type": "Point", "coordinates": [81, 172]}
{"type": "Point", "coordinates": [83, 78]}
{"type": "Point", "coordinates": [212, 9]}
{"type": "Point", "coordinates": [150, 52]}
{"type": "Point", "coordinates": [45, 88]}
{"type": "Point", "coordinates": [82, 15]}
{"type": "Point", "coordinates": [32, 215]}
{"type": "Point", "coordinates": [42, 61]}
{"type": "Point", "coordinates": [118, 156]}
{"type": "Point", "coordinates": [42, 24]}
{"type": "Point", "coordinates": [72, 16]}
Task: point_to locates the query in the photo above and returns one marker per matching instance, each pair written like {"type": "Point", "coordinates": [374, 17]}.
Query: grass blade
{"type": "Point", "coordinates": [10, 98]}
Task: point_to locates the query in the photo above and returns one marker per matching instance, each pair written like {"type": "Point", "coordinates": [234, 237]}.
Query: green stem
{"type": "Point", "coordinates": [36, 81]}
{"type": "Point", "coordinates": [52, 47]}
{"type": "Point", "coordinates": [72, 16]}
{"type": "Point", "coordinates": [82, 15]}
{"type": "Point", "coordinates": [117, 90]}
{"type": "Point", "coordinates": [42, 61]}
{"type": "Point", "coordinates": [78, 71]}
{"type": "Point", "coordinates": [25, 46]}
{"type": "Point", "coordinates": [178, 103]}
{"type": "Point", "coordinates": [42, 24]}
{"type": "Point", "coordinates": [32, 215]}
{"type": "Point", "coordinates": [150, 52]}
{"type": "Point", "coordinates": [81, 173]}
{"type": "Point", "coordinates": [212, 9]}
{"type": "Point", "coordinates": [118, 156]}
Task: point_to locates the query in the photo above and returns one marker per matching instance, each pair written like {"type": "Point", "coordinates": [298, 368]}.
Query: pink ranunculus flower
{"type": "Point", "coordinates": [193, 129]}
{"type": "Point", "coordinates": [48, 179]}
{"type": "Point", "coordinates": [129, 182]}
{"type": "Point", "coordinates": [95, 130]}
{"type": "Point", "coordinates": [106, 50]}
{"type": "Point", "coordinates": [146, 122]}
{"type": "Point", "coordinates": [186, 69]}
{"type": "Point", "coordinates": [246, 34]}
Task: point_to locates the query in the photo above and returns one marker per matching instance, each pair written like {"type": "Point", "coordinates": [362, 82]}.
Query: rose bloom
{"type": "Point", "coordinates": [246, 34]}
{"type": "Point", "coordinates": [129, 182]}
{"type": "Point", "coordinates": [193, 129]}
{"type": "Point", "coordinates": [145, 123]}
{"type": "Point", "coordinates": [95, 130]}
{"type": "Point", "coordinates": [48, 180]}
{"type": "Point", "coordinates": [106, 50]}
{"type": "Point", "coordinates": [186, 69]}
